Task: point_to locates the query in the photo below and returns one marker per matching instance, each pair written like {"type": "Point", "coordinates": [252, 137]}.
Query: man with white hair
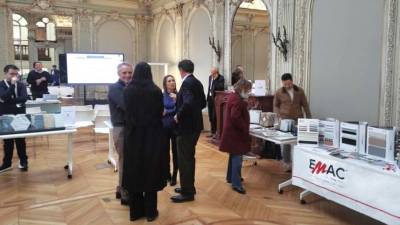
{"type": "Point", "coordinates": [117, 110]}
{"type": "Point", "coordinates": [216, 82]}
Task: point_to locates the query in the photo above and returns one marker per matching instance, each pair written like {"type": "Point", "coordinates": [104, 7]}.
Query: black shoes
{"type": "Point", "coordinates": [178, 190]}
{"type": "Point", "coordinates": [239, 190]}
{"type": "Point", "coordinates": [152, 218]}
{"type": "Point", "coordinates": [23, 167]}
{"type": "Point", "coordinates": [118, 195]}
{"type": "Point", "coordinates": [134, 217]}
{"type": "Point", "coordinates": [182, 198]}
{"type": "Point", "coordinates": [124, 202]}
{"type": "Point", "coordinates": [5, 168]}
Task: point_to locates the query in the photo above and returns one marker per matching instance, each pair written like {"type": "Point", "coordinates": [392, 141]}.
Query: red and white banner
{"type": "Point", "coordinates": [363, 187]}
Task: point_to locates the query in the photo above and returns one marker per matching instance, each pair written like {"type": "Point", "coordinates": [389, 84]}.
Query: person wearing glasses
{"type": "Point", "coordinates": [13, 96]}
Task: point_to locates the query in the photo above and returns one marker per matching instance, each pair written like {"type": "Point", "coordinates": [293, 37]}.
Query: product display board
{"type": "Point", "coordinates": [367, 188]}
{"type": "Point", "coordinates": [329, 132]}
{"type": "Point", "coordinates": [308, 132]}
{"type": "Point", "coordinates": [255, 116]}
{"type": "Point", "coordinates": [381, 143]}
{"type": "Point", "coordinates": [353, 136]}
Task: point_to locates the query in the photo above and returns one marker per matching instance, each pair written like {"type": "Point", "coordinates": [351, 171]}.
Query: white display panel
{"type": "Point", "coordinates": [93, 68]}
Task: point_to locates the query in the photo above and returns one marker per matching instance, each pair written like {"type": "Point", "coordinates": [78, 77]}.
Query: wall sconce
{"type": "Point", "coordinates": [216, 48]}
{"type": "Point", "coordinates": [281, 44]}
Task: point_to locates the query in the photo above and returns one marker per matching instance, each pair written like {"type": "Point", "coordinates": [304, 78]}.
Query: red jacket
{"type": "Point", "coordinates": [235, 134]}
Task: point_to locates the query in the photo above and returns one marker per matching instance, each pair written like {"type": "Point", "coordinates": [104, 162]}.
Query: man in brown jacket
{"type": "Point", "coordinates": [290, 102]}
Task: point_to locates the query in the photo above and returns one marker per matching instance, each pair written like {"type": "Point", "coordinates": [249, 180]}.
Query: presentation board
{"type": "Point", "coordinates": [93, 68]}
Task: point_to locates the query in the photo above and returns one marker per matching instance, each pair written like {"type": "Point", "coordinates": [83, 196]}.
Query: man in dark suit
{"type": "Point", "coordinates": [39, 80]}
{"type": "Point", "coordinates": [13, 96]}
{"type": "Point", "coordinates": [189, 103]}
{"type": "Point", "coordinates": [216, 82]}
{"type": "Point", "coordinates": [55, 76]}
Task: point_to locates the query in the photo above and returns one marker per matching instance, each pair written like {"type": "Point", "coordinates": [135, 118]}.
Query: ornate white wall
{"type": "Point", "coordinates": [145, 17]}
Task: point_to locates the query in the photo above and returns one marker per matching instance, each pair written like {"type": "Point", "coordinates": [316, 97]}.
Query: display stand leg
{"type": "Point", "coordinates": [283, 185]}
{"type": "Point", "coordinates": [70, 158]}
{"type": "Point", "coordinates": [304, 194]}
{"type": "Point", "coordinates": [111, 159]}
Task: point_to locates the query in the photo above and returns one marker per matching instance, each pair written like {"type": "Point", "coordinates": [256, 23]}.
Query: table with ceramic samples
{"type": "Point", "coordinates": [68, 132]}
{"type": "Point", "coordinates": [277, 137]}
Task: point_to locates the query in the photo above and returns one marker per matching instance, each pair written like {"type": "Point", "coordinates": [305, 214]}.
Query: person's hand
{"type": "Point", "coordinates": [164, 113]}
{"type": "Point", "coordinates": [173, 96]}
{"type": "Point", "coordinates": [14, 80]}
{"type": "Point", "coordinates": [176, 118]}
{"type": "Point", "coordinates": [38, 81]}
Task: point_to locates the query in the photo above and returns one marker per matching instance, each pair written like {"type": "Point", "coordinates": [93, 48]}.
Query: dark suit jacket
{"type": "Point", "coordinates": [189, 103]}
{"type": "Point", "coordinates": [116, 103]}
{"type": "Point", "coordinates": [217, 85]}
{"type": "Point", "coordinates": [8, 100]}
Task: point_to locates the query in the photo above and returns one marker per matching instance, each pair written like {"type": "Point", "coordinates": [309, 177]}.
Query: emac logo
{"type": "Point", "coordinates": [323, 168]}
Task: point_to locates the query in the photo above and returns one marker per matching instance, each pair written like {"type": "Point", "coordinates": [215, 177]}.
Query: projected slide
{"type": "Point", "coordinates": [93, 68]}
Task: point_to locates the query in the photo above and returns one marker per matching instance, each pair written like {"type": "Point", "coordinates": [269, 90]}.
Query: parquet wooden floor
{"type": "Point", "coordinates": [45, 196]}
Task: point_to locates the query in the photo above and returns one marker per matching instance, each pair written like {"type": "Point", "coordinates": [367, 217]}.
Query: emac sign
{"type": "Point", "coordinates": [320, 167]}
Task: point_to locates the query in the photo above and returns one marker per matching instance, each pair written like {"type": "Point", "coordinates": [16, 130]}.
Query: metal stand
{"type": "Point", "coordinates": [283, 185]}
{"type": "Point", "coordinates": [304, 194]}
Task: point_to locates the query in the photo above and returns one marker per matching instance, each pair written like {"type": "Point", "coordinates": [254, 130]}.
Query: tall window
{"type": "Point", "coordinates": [45, 30]}
{"type": "Point", "coordinates": [20, 37]}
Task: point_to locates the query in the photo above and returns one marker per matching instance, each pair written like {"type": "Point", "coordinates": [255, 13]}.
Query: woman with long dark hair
{"type": "Point", "coordinates": [145, 159]}
{"type": "Point", "coordinates": [169, 86]}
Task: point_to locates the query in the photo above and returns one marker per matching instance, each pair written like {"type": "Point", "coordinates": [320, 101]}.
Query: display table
{"type": "Point", "coordinates": [277, 137]}
{"type": "Point", "coordinates": [111, 159]}
{"type": "Point", "coordinates": [51, 106]}
{"type": "Point", "coordinates": [68, 132]}
{"type": "Point", "coordinates": [371, 189]}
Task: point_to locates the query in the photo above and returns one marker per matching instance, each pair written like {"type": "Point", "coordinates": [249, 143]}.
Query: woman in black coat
{"type": "Point", "coordinates": [145, 160]}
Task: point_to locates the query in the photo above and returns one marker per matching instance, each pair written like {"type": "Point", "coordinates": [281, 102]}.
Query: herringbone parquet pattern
{"type": "Point", "coordinates": [44, 195]}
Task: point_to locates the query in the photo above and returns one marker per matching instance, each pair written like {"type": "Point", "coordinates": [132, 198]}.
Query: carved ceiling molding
{"type": "Point", "coordinates": [179, 9]}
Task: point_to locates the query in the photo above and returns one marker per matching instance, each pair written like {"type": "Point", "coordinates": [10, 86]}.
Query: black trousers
{"type": "Point", "coordinates": [37, 94]}
{"type": "Point", "coordinates": [143, 203]}
{"type": "Point", "coordinates": [187, 162]}
{"type": "Point", "coordinates": [212, 115]}
{"type": "Point", "coordinates": [171, 144]}
{"type": "Point", "coordinates": [9, 150]}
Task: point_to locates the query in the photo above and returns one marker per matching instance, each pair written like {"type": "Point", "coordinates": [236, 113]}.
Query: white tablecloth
{"type": "Point", "coordinates": [369, 189]}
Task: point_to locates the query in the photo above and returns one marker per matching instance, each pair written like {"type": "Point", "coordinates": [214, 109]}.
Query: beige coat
{"type": "Point", "coordinates": [288, 109]}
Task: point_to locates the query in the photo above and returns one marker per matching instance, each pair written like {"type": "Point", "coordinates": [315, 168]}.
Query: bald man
{"type": "Point", "coordinates": [216, 83]}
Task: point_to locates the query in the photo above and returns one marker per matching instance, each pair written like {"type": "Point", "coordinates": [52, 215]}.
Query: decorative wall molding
{"type": "Point", "coordinates": [387, 112]}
